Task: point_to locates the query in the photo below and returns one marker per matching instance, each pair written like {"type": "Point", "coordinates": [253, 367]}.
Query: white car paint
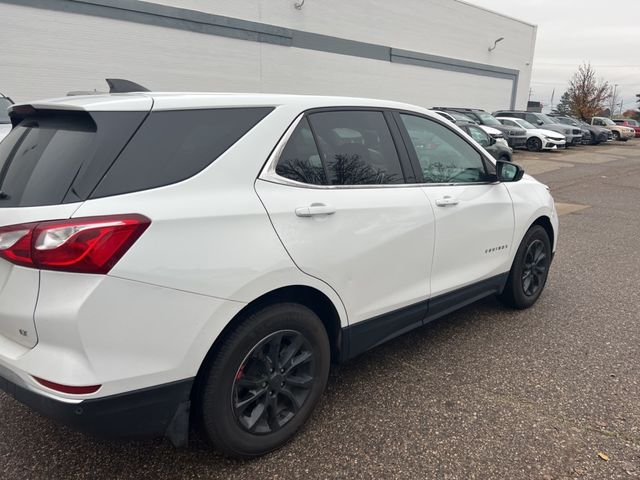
{"type": "Point", "coordinates": [550, 140]}
{"type": "Point", "coordinates": [228, 235]}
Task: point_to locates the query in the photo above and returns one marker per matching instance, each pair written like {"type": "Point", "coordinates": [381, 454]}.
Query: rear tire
{"type": "Point", "coordinates": [529, 271]}
{"type": "Point", "coordinates": [534, 144]}
{"type": "Point", "coordinates": [265, 381]}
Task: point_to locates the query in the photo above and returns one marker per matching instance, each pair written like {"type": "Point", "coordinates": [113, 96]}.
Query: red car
{"type": "Point", "coordinates": [628, 122]}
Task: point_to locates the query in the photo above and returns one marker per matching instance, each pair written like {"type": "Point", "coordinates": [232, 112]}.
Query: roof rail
{"type": "Point", "coordinates": [119, 85]}
{"type": "Point", "coordinates": [75, 93]}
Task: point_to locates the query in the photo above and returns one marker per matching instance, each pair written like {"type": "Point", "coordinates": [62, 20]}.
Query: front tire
{"type": "Point", "coordinates": [529, 271]}
{"type": "Point", "coordinates": [534, 144]}
{"type": "Point", "coordinates": [616, 136]}
{"type": "Point", "coordinates": [265, 381]}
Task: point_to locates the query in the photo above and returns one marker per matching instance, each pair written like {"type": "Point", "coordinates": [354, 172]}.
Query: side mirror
{"type": "Point", "coordinates": [539, 122]}
{"type": "Point", "coordinates": [492, 141]}
{"type": "Point", "coordinates": [508, 171]}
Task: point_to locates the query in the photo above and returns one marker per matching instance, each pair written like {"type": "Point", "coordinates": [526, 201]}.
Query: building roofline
{"type": "Point", "coordinates": [488, 10]}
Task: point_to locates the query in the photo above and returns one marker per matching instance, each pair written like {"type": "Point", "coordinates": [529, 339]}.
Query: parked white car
{"type": "Point", "coordinates": [171, 258]}
{"type": "Point", "coordinates": [455, 117]}
{"type": "Point", "coordinates": [537, 138]}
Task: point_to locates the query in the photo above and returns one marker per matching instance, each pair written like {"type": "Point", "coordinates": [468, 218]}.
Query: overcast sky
{"type": "Point", "coordinates": [602, 32]}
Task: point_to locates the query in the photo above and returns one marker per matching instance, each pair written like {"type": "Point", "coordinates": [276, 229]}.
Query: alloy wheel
{"type": "Point", "coordinates": [534, 144]}
{"type": "Point", "coordinates": [535, 267]}
{"type": "Point", "coordinates": [273, 382]}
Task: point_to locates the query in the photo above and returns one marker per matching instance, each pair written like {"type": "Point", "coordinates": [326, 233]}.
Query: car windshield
{"type": "Point", "coordinates": [524, 124]}
{"type": "Point", "coordinates": [632, 123]}
{"type": "Point", "coordinates": [569, 121]}
{"type": "Point", "coordinates": [607, 121]}
{"type": "Point", "coordinates": [460, 117]}
{"type": "Point", "coordinates": [545, 119]}
{"type": "Point", "coordinates": [488, 119]}
{"type": "Point", "coordinates": [4, 105]}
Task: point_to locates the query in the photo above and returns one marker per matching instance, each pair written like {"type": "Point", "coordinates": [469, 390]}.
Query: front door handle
{"type": "Point", "coordinates": [315, 209]}
{"type": "Point", "coordinates": [446, 201]}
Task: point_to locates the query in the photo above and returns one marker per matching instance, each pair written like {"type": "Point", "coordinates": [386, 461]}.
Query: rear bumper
{"type": "Point", "coordinates": [150, 412]}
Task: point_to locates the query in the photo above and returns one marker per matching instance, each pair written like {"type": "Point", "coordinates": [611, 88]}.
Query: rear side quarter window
{"type": "Point", "coordinates": [172, 146]}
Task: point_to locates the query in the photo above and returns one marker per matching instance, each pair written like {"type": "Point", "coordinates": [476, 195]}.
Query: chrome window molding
{"type": "Point", "coordinates": [269, 173]}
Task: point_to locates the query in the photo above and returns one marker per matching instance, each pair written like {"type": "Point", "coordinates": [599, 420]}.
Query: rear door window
{"type": "Point", "coordinates": [357, 148]}
{"type": "Point", "coordinates": [4, 105]}
{"type": "Point", "coordinates": [300, 159]}
{"type": "Point", "coordinates": [172, 146]}
{"type": "Point", "coordinates": [54, 157]}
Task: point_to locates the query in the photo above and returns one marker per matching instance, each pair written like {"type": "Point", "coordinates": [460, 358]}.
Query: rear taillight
{"type": "Point", "coordinates": [82, 245]}
{"type": "Point", "coordinates": [83, 390]}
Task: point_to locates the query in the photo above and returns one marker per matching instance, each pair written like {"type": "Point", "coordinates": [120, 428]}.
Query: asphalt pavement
{"type": "Point", "coordinates": [552, 392]}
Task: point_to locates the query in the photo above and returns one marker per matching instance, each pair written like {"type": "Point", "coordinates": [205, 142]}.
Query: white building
{"type": "Point", "coordinates": [427, 52]}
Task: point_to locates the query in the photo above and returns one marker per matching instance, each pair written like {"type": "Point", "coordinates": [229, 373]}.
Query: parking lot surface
{"type": "Point", "coordinates": [485, 393]}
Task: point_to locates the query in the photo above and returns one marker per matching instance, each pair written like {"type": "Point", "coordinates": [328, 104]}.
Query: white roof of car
{"type": "Point", "coordinates": [185, 100]}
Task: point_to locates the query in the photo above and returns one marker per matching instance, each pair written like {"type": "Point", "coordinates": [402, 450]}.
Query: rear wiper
{"type": "Point", "coordinates": [3, 196]}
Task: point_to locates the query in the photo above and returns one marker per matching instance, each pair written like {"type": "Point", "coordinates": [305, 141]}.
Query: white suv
{"type": "Point", "coordinates": [173, 258]}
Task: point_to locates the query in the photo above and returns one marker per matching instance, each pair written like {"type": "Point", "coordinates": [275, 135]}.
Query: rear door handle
{"type": "Point", "coordinates": [446, 201]}
{"type": "Point", "coordinates": [315, 209]}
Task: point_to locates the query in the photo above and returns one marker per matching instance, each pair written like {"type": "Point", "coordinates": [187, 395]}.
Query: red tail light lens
{"type": "Point", "coordinates": [15, 244]}
{"type": "Point", "coordinates": [82, 245]}
{"type": "Point", "coordinates": [67, 388]}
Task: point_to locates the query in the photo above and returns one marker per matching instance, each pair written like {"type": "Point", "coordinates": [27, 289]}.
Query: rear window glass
{"type": "Point", "coordinates": [4, 105]}
{"type": "Point", "coordinates": [172, 146]}
{"type": "Point", "coordinates": [53, 157]}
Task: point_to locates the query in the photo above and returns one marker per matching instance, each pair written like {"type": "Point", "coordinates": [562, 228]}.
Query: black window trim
{"type": "Point", "coordinates": [268, 172]}
{"type": "Point", "coordinates": [416, 163]}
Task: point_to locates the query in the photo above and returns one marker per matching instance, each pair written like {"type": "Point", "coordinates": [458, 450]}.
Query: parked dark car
{"type": "Point", "coordinates": [496, 149]}
{"type": "Point", "coordinates": [628, 122]}
{"type": "Point", "coordinates": [595, 135]}
{"type": "Point", "coordinates": [573, 134]}
{"type": "Point", "coordinates": [516, 137]}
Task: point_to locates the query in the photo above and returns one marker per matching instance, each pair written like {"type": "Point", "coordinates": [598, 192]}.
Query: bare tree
{"type": "Point", "coordinates": [588, 95]}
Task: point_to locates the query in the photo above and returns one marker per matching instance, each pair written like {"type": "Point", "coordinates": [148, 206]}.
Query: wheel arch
{"type": "Point", "coordinates": [545, 222]}
{"type": "Point", "coordinates": [310, 297]}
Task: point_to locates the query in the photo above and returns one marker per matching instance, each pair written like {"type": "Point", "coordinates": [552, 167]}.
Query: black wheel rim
{"type": "Point", "coordinates": [534, 272]}
{"type": "Point", "coordinates": [535, 144]}
{"type": "Point", "coordinates": [273, 382]}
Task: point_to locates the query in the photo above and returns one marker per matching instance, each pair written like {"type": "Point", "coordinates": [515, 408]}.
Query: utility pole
{"type": "Point", "coordinates": [530, 93]}
{"type": "Point", "coordinates": [613, 99]}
